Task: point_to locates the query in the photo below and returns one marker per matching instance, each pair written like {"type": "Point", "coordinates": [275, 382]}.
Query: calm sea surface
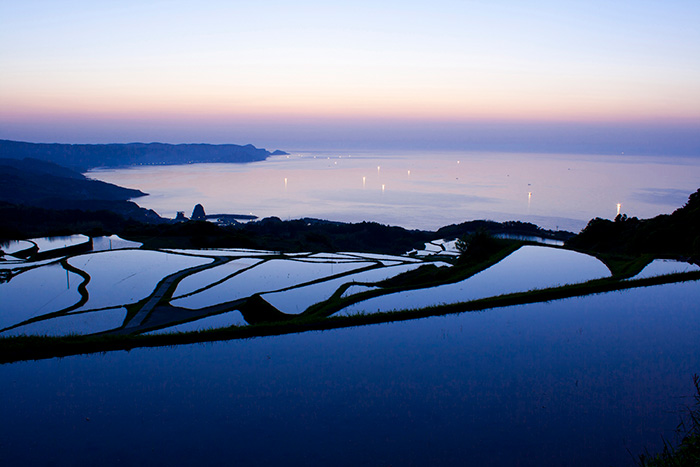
{"type": "Point", "coordinates": [574, 382]}
{"type": "Point", "coordinates": [422, 189]}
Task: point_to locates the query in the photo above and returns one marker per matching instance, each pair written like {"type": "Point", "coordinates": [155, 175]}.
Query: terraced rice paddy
{"type": "Point", "coordinates": [126, 276]}
{"type": "Point", "coordinates": [131, 290]}
{"type": "Point", "coordinates": [530, 267]}
{"type": "Point", "coordinates": [38, 291]}
{"type": "Point", "coordinates": [662, 267]}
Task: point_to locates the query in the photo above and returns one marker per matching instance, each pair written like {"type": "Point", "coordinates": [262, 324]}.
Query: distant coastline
{"type": "Point", "coordinates": [82, 157]}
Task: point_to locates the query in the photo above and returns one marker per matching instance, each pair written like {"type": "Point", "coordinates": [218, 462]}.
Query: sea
{"type": "Point", "coordinates": [421, 189]}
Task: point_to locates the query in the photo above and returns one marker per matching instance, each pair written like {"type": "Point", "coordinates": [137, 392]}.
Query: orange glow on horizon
{"type": "Point", "coordinates": [527, 101]}
{"type": "Point", "coordinates": [165, 112]}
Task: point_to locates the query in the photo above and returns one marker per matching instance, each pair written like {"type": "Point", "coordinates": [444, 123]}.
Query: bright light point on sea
{"type": "Point", "coordinates": [383, 187]}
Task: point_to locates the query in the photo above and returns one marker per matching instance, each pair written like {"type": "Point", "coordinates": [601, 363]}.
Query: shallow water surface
{"type": "Point", "coordinates": [575, 382]}
{"type": "Point", "coordinates": [112, 242]}
{"type": "Point", "coordinates": [212, 275]}
{"type": "Point", "coordinates": [269, 276]}
{"type": "Point", "coordinates": [54, 243]}
{"type": "Point", "coordinates": [297, 300]}
{"type": "Point", "coordinates": [121, 277]}
{"type": "Point", "coordinates": [528, 268]}
{"type": "Point", "coordinates": [15, 246]}
{"type": "Point", "coordinates": [36, 292]}
{"type": "Point", "coordinates": [231, 318]}
{"type": "Point", "coordinates": [660, 267]}
{"type": "Point", "coordinates": [75, 323]}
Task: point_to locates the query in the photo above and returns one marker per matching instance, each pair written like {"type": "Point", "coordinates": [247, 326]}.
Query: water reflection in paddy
{"type": "Point", "coordinates": [36, 292]}
{"type": "Point", "coordinates": [222, 252]}
{"type": "Point", "coordinates": [77, 323]}
{"type": "Point", "coordinates": [661, 267]}
{"type": "Point", "coordinates": [269, 276]}
{"type": "Point", "coordinates": [575, 382]}
{"type": "Point", "coordinates": [212, 275]}
{"type": "Point", "coordinates": [54, 243]}
{"type": "Point", "coordinates": [112, 242]}
{"type": "Point", "coordinates": [527, 268]}
{"type": "Point", "coordinates": [43, 245]}
{"type": "Point", "coordinates": [20, 264]}
{"type": "Point", "coordinates": [297, 300]}
{"type": "Point", "coordinates": [231, 318]}
{"type": "Point", "coordinates": [15, 246]}
{"type": "Point", "coordinates": [126, 276]}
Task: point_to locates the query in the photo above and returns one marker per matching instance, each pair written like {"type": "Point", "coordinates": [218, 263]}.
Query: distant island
{"type": "Point", "coordinates": [82, 157]}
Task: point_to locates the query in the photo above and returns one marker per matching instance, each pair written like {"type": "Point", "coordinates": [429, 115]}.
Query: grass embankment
{"type": "Point", "coordinates": [624, 266]}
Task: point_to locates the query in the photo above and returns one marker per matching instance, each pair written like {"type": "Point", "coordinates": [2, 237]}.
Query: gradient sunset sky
{"type": "Point", "coordinates": [589, 76]}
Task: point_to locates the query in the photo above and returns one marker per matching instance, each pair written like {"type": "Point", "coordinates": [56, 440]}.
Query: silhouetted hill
{"type": "Point", "coordinates": [306, 234]}
{"type": "Point", "coordinates": [29, 221]}
{"type": "Point", "coordinates": [33, 183]}
{"type": "Point", "coordinates": [85, 156]}
{"type": "Point", "coordinates": [672, 234]}
{"type": "Point", "coordinates": [525, 229]}
{"type": "Point", "coordinates": [41, 167]}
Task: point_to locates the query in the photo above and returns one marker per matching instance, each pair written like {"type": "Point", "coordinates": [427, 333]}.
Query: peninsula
{"type": "Point", "coordinates": [82, 157]}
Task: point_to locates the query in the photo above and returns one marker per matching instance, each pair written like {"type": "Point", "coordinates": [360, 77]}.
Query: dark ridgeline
{"type": "Point", "coordinates": [672, 234]}
{"type": "Point", "coordinates": [40, 198]}
{"type": "Point", "coordinates": [38, 183]}
{"type": "Point", "coordinates": [86, 156]}
{"type": "Point", "coordinates": [315, 235]}
{"type": "Point", "coordinates": [42, 190]}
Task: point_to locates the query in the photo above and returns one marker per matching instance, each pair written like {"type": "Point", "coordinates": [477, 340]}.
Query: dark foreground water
{"type": "Point", "coordinates": [573, 382]}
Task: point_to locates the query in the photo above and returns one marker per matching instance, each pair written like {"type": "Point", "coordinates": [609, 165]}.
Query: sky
{"type": "Point", "coordinates": [587, 76]}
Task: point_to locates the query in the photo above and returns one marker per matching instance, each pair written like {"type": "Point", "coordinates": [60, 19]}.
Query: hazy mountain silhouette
{"type": "Point", "coordinates": [85, 156]}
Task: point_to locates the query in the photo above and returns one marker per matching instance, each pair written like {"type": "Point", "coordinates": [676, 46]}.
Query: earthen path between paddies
{"type": "Point", "coordinates": [142, 319]}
